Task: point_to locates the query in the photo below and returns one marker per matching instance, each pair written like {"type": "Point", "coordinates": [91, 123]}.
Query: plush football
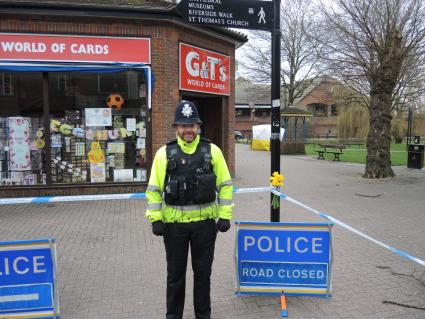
{"type": "Point", "coordinates": [115, 101]}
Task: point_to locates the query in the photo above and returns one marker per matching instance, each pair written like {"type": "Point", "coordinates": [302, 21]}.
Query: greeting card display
{"type": "Point", "coordinates": [19, 143]}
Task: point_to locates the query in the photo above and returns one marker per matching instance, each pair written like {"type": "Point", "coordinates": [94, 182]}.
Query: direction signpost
{"type": "Point", "coordinates": [244, 14]}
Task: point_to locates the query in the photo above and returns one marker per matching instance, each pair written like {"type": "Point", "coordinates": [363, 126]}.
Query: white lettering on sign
{"type": "Point", "coordinates": [193, 70]}
{"type": "Point", "coordinates": [299, 245]}
{"type": "Point", "coordinates": [201, 6]}
{"type": "Point", "coordinates": [248, 241]}
{"type": "Point", "coordinates": [15, 266]}
{"type": "Point", "coordinates": [226, 15]}
{"type": "Point", "coordinates": [316, 245]}
{"type": "Point", "coordinates": [297, 248]}
{"type": "Point", "coordinates": [89, 49]}
{"type": "Point", "coordinates": [205, 69]}
{"type": "Point", "coordinates": [58, 47]}
{"type": "Point", "coordinates": [264, 247]}
{"type": "Point", "coordinates": [237, 23]}
{"type": "Point", "coordinates": [283, 273]}
{"type": "Point", "coordinates": [38, 47]}
{"type": "Point", "coordinates": [295, 273]}
{"type": "Point", "coordinates": [213, 62]}
{"type": "Point", "coordinates": [254, 272]}
{"type": "Point", "coordinates": [22, 265]}
{"type": "Point", "coordinates": [202, 13]}
{"type": "Point", "coordinates": [38, 265]}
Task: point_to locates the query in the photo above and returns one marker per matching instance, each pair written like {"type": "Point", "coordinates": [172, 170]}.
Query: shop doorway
{"type": "Point", "coordinates": [211, 112]}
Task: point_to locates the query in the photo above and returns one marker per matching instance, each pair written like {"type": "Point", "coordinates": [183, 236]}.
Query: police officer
{"type": "Point", "coordinates": [189, 199]}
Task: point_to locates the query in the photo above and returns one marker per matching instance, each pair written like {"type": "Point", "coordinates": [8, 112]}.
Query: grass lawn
{"type": "Point", "coordinates": [357, 154]}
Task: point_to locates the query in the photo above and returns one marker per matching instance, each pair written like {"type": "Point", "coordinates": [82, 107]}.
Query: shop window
{"type": "Point", "coordinates": [98, 127]}
{"type": "Point", "coordinates": [22, 145]}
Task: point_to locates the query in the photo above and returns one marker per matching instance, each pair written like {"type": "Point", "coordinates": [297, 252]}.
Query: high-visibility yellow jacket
{"type": "Point", "coordinates": [157, 209]}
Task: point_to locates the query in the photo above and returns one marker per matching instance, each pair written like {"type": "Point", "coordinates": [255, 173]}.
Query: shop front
{"type": "Point", "coordinates": [83, 113]}
{"type": "Point", "coordinates": [70, 113]}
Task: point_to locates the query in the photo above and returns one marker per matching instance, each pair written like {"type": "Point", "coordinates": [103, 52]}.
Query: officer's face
{"type": "Point", "coordinates": [187, 132]}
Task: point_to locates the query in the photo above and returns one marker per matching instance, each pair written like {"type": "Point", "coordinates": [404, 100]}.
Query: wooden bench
{"type": "Point", "coordinates": [335, 149]}
{"type": "Point", "coordinates": [352, 142]}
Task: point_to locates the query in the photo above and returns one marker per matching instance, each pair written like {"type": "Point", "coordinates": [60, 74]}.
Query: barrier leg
{"type": "Point", "coordinates": [284, 312]}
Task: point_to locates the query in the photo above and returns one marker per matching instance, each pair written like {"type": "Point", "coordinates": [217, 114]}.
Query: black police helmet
{"type": "Point", "coordinates": [186, 113]}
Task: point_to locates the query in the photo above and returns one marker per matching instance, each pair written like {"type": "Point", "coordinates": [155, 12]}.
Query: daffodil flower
{"type": "Point", "coordinates": [276, 180]}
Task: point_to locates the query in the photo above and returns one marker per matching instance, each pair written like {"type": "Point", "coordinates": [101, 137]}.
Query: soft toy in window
{"type": "Point", "coordinates": [115, 101]}
{"type": "Point", "coordinates": [96, 154]}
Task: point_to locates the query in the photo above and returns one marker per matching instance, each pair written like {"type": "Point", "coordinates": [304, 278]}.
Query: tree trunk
{"type": "Point", "coordinates": [378, 161]}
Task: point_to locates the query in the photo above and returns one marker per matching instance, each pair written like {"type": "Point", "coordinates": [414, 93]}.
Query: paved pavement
{"type": "Point", "coordinates": [110, 266]}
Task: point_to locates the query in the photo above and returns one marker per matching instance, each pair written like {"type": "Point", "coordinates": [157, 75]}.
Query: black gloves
{"type": "Point", "coordinates": [159, 228]}
{"type": "Point", "coordinates": [222, 225]}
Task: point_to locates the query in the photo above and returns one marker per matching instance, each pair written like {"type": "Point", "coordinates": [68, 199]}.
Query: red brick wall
{"type": "Point", "coordinates": [320, 126]}
{"type": "Point", "coordinates": [322, 93]}
{"type": "Point", "coordinates": [165, 38]}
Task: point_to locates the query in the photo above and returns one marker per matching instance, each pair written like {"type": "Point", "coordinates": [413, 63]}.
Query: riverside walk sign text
{"type": "Point", "coordinates": [283, 258]}
{"type": "Point", "coordinates": [245, 14]}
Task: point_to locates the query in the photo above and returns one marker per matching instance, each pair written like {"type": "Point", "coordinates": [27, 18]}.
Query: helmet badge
{"type": "Point", "coordinates": [187, 110]}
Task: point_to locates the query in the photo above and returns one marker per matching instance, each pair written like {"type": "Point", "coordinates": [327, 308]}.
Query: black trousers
{"type": "Point", "coordinates": [201, 238]}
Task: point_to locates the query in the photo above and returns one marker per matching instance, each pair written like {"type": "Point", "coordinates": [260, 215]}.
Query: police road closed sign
{"type": "Point", "coordinates": [27, 279]}
{"type": "Point", "coordinates": [202, 70]}
{"type": "Point", "coordinates": [289, 258]}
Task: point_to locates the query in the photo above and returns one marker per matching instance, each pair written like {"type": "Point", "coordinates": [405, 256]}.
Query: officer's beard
{"type": "Point", "coordinates": [188, 137]}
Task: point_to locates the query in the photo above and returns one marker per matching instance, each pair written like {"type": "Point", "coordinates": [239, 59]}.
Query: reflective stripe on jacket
{"type": "Point", "coordinates": [158, 210]}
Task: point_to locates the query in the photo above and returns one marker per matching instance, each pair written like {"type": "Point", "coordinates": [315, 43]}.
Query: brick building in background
{"type": "Point", "coordinates": [253, 106]}
{"type": "Point", "coordinates": [320, 101]}
{"type": "Point", "coordinates": [88, 92]}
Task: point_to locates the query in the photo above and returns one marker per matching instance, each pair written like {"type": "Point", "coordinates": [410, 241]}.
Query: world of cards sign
{"type": "Point", "coordinates": [244, 14]}
{"type": "Point", "coordinates": [289, 258]}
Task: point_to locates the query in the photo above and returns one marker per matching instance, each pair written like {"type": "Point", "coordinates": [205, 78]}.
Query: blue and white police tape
{"type": "Point", "coordinates": [82, 198]}
{"type": "Point", "coordinates": [348, 227]}
{"type": "Point", "coordinates": [252, 190]}
{"type": "Point", "coordinates": [75, 198]}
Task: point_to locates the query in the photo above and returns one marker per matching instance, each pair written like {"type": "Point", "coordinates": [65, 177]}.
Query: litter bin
{"type": "Point", "coordinates": [415, 156]}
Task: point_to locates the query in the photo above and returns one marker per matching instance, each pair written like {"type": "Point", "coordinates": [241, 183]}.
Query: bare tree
{"type": "Point", "coordinates": [377, 47]}
{"type": "Point", "coordinates": [298, 51]}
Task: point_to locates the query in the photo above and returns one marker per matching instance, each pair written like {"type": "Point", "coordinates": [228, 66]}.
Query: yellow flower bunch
{"type": "Point", "coordinates": [276, 179]}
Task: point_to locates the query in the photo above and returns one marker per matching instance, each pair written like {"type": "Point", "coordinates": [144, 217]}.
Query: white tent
{"type": "Point", "coordinates": [261, 137]}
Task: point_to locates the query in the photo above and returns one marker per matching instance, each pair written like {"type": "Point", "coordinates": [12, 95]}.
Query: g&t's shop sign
{"type": "Point", "coordinates": [28, 286]}
{"type": "Point", "coordinates": [203, 71]}
{"type": "Point", "coordinates": [288, 258]}
{"type": "Point", "coordinates": [67, 48]}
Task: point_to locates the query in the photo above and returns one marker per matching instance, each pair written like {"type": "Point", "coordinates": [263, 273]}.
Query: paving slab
{"type": "Point", "coordinates": [110, 266]}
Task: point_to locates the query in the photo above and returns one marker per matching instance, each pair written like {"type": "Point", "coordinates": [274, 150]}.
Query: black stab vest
{"type": "Point", "coordinates": [190, 179]}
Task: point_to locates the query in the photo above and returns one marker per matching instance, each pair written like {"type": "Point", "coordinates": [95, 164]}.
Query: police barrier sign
{"type": "Point", "coordinates": [27, 279]}
{"type": "Point", "coordinates": [289, 258]}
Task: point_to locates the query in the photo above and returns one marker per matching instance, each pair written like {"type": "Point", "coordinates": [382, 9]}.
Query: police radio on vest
{"type": "Point", "coordinates": [205, 69]}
